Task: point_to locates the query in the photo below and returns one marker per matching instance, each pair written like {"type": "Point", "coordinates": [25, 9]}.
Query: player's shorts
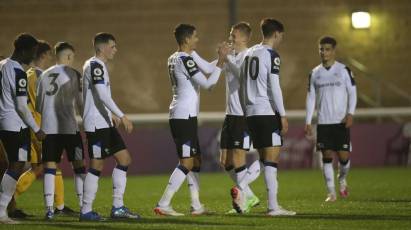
{"type": "Point", "coordinates": [17, 145]}
{"type": "Point", "coordinates": [235, 133]}
{"type": "Point", "coordinates": [104, 143]}
{"type": "Point", "coordinates": [35, 149]}
{"type": "Point", "coordinates": [54, 144]}
{"type": "Point", "coordinates": [265, 131]}
{"type": "Point", "coordinates": [334, 137]}
{"type": "Point", "coordinates": [184, 132]}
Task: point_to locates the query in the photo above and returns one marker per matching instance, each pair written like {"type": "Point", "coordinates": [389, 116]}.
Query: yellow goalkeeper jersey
{"type": "Point", "coordinates": [32, 75]}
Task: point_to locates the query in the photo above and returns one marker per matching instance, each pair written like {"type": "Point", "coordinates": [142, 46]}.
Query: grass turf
{"type": "Point", "coordinates": [380, 199]}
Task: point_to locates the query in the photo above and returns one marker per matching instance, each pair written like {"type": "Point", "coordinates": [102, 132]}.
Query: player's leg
{"type": "Point", "coordinates": [328, 172]}
{"type": "Point", "coordinates": [53, 146]}
{"type": "Point", "coordinates": [17, 146]}
{"type": "Point", "coordinates": [245, 176]}
{"type": "Point", "coordinates": [181, 130]}
{"type": "Point", "coordinates": [97, 142]}
{"type": "Point", "coordinates": [28, 177]}
{"type": "Point", "coordinates": [119, 176]}
{"type": "Point", "coordinates": [326, 144]}
{"type": "Point", "coordinates": [75, 154]}
{"type": "Point", "coordinates": [226, 162]}
{"type": "Point", "coordinates": [344, 148]}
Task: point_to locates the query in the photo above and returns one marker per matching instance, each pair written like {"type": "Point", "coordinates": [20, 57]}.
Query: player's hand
{"type": "Point", "coordinates": [308, 130]}
{"type": "Point", "coordinates": [284, 124]}
{"type": "Point", "coordinates": [128, 125]}
{"type": "Point", "coordinates": [116, 121]}
{"type": "Point", "coordinates": [223, 50]}
{"type": "Point", "coordinates": [348, 120]}
{"type": "Point", "coordinates": [40, 135]}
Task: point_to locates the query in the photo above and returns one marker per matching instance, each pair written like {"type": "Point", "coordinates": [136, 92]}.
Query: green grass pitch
{"type": "Point", "coordinates": [380, 199]}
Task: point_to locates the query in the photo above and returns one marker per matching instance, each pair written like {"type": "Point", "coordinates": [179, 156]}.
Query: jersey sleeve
{"type": "Point", "coordinates": [351, 90]}
{"type": "Point", "coordinates": [274, 81]}
{"type": "Point", "coordinates": [96, 73]}
{"type": "Point", "coordinates": [190, 66]}
{"type": "Point", "coordinates": [21, 100]}
{"type": "Point", "coordinates": [205, 66]}
{"type": "Point", "coordinates": [21, 82]}
{"type": "Point", "coordinates": [274, 62]}
{"type": "Point", "coordinates": [310, 99]}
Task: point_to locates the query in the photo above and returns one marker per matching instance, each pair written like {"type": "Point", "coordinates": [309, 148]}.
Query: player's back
{"type": "Point", "coordinates": [255, 72]}
{"type": "Point", "coordinates": [185, 100]}
{"type": "Point", "coordinates": [13, 83]}
{"type": "Point", "coordinates": [57, 91]}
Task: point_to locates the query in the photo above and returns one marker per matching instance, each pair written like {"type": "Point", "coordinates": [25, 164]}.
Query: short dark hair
{"type": "Point", "coordinates": [61, 46]}
{"type": "Point", "coordinates": [328, 40]}
{"type": "Point", "coordinates": [42, 48]}
{"type": "Point", "coordinates": [102, 37]}
{"type": "Point", "coordinates": [25, 41]}
{"type": "Point", "coordinates": [244, 27]}
{"type": "Point", "coordinates": [271, 25]}
{"type": "Point", "coordinates": [183, 31]}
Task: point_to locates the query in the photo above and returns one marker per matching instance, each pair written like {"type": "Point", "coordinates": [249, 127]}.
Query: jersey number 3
{"type": "Point", "coordinates": [53, 85]}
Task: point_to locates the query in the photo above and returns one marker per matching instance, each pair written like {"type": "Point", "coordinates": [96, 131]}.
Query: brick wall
{"type": "Point", "coordinates": [144, 32]}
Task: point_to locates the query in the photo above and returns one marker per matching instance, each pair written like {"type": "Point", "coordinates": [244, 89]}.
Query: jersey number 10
{"type": "Point", "coordinates": [252, 67]}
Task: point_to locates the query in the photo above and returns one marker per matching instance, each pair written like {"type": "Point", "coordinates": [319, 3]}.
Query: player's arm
{"type": "Point", "coordinates": [205, 66]}
{"type": "Point", "coordinates": [21, 101]}
{"type": "Point", "coordinates": [197, 76]}
{"type": "Point", "coordinates": [99, 86]}
{"type": "Point", "coordinates": [233, 67]}
{"type": "Point", "coordinates": [309, 105]}
{"type": "Point", "coordinates": [352, 97]}
{"type": "Point", "coordinates": [242, 90]}
{"type": "Point", "coordinates": [275, 89]}
{"type": "Point", "coordinates": [76, 80]}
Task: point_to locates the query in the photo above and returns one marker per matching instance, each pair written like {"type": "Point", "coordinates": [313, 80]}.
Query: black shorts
{"type": "Point", "coordinates": [334, 137]}
{"type": "Point", "coordinates": [235, 133]}
{"type": "Point", "coordinates": [184, 132]}
{"type": "Point", "coordinates": [54, 144]}
{"type": "Point", "coordinates": [265, 131]}
{"type": "Point", "coordinates": [104, 143]}
{"type": "Point", "coordinates": [17, 145]}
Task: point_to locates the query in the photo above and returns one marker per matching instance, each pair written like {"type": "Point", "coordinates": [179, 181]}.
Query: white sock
{"type": "Point", "coordinates": [270, 173]}
{"type": "Point", "coordinates": [328, 171]}
{"type": "Point", "coordinates": [252, 174]}
{"type": "Point", "coordinates": [119, 185]}
{"type": "Point", "coordinates": [79, 185]}
{"type": "Point", "coordinates": [193, 181]}
{"type": "Point", "coordinates": [240, 174]}
{"type": "Point", "coordinates": [90, 190]}
{"type": "Point", "coordinates": [49, 185]}
{"type": "Point", "coordinates": [8, 187]}
{"type": "Point", "coordinates": [176, 179]}
{"type": "Point", "coordinates": [343, 171]}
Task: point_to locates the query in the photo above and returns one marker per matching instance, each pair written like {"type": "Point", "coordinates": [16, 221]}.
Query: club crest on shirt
{"type": "Point", "coordinates": [98, 72]}
{"type": "Point", "coordinates": [22, 83]}
{"type": "Point", "coordinates": [277, 61]}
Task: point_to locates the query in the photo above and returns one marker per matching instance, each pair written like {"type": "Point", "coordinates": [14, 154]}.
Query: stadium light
{"type": "Point", "coordinates": [361, 20]}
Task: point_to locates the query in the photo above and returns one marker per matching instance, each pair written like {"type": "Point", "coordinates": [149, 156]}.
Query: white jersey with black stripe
{"type": "Point", "coordinates": [14, 113]}
{"type": "Point", "coordinates": [333, 92]}
{"type": "Point", "coordinates": [98, 103]}
{"type": "Point", "coordinates": [58, 95]}
{"type": "Point", "coordinates": [260, 73]}
{"type": "Point", "coordinates": [232, 81]}
{"type": "Point", "coordinates": [186, 79]}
